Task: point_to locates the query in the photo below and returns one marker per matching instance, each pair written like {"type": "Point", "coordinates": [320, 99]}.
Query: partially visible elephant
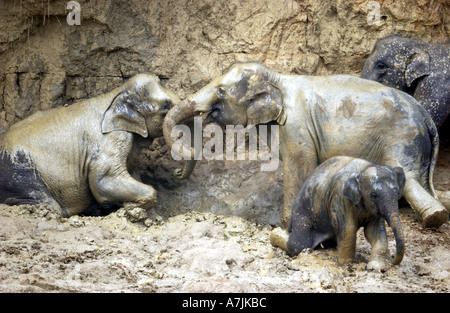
{"type": "Point", "coordinates": [322, 117]}
{"type": "Point", "coordinates": [418, 68]}
{"type": "Point", "coordinates": [68, 157]}
{"type": "Point", "coordinates": [341, 195]}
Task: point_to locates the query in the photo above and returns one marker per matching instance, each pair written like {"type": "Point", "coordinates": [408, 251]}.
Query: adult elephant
{"type": "Point", "coordinates": [421, 69]}
{"type": "Point", "coordinates": [68, 157]}
{"type": "Point", "coordinates": [322, 117]}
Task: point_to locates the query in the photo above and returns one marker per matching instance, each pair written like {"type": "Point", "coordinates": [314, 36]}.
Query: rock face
{"type": "Point", "coordinates": [45, 63]}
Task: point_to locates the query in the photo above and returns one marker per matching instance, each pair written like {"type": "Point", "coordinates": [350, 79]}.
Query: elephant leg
{"type": "Point", "coordinates": [444, 197]}
{"type": "Point", "coordinates": [375, 233]}
{"type": "Point", "coordinates": [21, 184]}
{"type": "Point", "coordinates": [346, 244]}
{"type": "Point", "coordinates": [432, 212]}
{"type": "Point", "coordinates": [122, 188]}
{"type": "Point", "coordinates": [296, 167]}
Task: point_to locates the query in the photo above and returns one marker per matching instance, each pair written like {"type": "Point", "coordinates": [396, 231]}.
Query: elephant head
{"type": "Point", "coordinates": [397, 62]}
{"type": "Point", "coordinates": [379, 188]}
{"type": "Point", "coordinates": [245, 95]}
{"type": "Point", "coordinates": [139, 106]}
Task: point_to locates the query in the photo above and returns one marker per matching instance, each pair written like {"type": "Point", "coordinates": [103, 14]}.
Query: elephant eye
{"type": "Point", "coordinates": [380, 67]}
{"type": "Point", "coordinates": [221, 93]}
{"type": "Point", "coordinates": [373, 196]}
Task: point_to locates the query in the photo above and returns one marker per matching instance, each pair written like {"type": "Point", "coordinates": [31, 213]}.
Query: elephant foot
{"type": "Point", "coordinates": [377, 265]}
{"type": "Point", "coordinates": [146, 202]}
{"type": "Point", "coordinates": [431, 210]}
{"type": "Point", "coordinates": [133, 214]}
{"type": "Point", "coordinates": [444, 197]}
{"type": "Point", "coordinates": [279, 238]}
{"type": "Point", "coordinates": [434, 217]}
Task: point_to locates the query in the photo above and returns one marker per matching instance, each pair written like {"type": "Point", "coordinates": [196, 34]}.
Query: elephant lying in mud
{"type": "Point", "coordinates": [418, 68]}
{"type": "Point", "coordinates": [322, 117]}
{"type": "Point", "coordinates": [70, 156]}
{"type": "Point", "coordinates": [341, 195]}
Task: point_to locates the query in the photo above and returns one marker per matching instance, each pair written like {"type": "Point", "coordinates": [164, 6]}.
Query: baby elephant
{"type": "Point", "coordinates": [67, 157]}
{"type": "Point", "coordinates": [341, 195]}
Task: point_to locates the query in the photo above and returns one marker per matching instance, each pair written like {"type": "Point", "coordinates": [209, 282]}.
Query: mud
{"type": "Point", "coordinates": [212, 232]}
{"type": "Point", "coordinates": [203, 252]}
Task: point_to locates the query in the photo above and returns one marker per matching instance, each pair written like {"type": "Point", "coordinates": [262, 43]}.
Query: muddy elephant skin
{"type": "Point", "coordinates": [340, 196]}
{"type": "Point", "coordinates": [421, 69]}
{"type": "Point", "coordinates": [69, 157]}
{"type": "Point", "coordinates": [321, 117]}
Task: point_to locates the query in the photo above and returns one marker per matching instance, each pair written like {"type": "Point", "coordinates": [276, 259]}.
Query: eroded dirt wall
{"type": "Point", "coordinates": [45, 62]}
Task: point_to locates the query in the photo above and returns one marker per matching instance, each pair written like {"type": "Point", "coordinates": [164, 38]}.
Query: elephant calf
{"type": "Point", "coordinates": [341, 195]}
{"type": "Point", "coordinates": [67, 157]}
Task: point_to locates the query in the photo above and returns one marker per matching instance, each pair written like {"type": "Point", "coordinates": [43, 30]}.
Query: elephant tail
{"type": "Point", "coordinates": [434, 138]}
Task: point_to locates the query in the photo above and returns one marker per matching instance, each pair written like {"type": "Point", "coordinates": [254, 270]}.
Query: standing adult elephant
{"type": "Point", "coordinates": [421, 69]}
{"type": "Point", "coordinates": [68, 157]}
{"type": "Point", "coordinates": [322, 117]}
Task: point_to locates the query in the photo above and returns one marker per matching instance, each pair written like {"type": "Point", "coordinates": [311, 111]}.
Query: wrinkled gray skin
{"type": "Point", "coordinates": [321, 117]}
{"type": "Point", "coordinates": [340, 196]}
{"type": "Point", "coordinates": [418, 68]}
{"type": "Point", "coordinates": [69, 157]}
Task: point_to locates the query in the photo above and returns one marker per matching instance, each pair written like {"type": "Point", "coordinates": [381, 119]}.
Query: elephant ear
{"type": "Point", "coordinates": [122, 114]}
{"type": "Point", "coordinates": [352, 190]}
{"type": "Point", "coordinates": [265, 103]}
{"type": "Point", "coordinates": [401, 179]}
{"type": "Point", "coordinates": [417, 65]}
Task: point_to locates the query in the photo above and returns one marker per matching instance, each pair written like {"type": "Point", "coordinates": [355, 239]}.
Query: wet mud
{"type": "Point", "coordinates": [203, 252]}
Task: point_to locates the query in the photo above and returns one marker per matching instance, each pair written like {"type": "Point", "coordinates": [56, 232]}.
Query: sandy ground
{"type": "Point", "coordinates": [203, 252]}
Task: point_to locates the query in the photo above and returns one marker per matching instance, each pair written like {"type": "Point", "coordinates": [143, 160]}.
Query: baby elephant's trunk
{"type": "Point", "coordinates": [393, 220]}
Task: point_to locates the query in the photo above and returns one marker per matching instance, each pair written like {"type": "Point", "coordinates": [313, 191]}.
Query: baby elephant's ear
{"type": "Point", "coordinates": [122, 114]}
{"type": "Point", "coordinates": [352, 189]}
{"type": "Point", "coordinates": [401, 179]}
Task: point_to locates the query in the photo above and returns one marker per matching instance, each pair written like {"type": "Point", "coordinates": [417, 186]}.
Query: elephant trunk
{"type": "Point", "coordinates": [179, 113]}
{"type": "Point", "coordinates": [193, 106]}
{"type": "Point", "coordinates": [186, 171]}
{"type": "Point", "coordinates": [393, 219]}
